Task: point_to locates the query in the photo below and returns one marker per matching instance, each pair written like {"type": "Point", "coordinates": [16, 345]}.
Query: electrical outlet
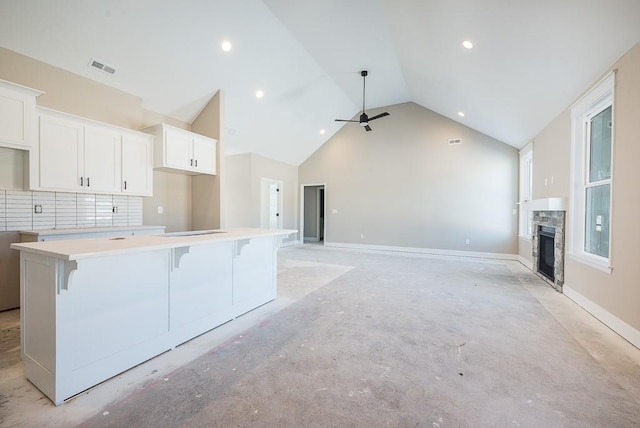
{"type": "Point", "coordinates": [467, 241]}
{"type": "Point", "coordinates": [37, 209]}
{"type": "Point", "coordinates": [160, 210]}
{"type": "Point", "coordinates": [362, 236]}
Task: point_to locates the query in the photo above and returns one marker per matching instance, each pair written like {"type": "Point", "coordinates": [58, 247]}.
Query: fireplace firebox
{"type": "Point", "coordinates": [546, 258]}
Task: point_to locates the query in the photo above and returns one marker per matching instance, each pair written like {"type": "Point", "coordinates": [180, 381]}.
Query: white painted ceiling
{"type": "Point", "coordinates": [530, 61]}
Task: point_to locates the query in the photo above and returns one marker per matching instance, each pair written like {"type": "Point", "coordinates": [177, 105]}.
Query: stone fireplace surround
{"type": "Point", "coordinates": [555, 219]}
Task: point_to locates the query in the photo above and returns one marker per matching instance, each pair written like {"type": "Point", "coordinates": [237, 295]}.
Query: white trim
{"type": "Point", "coordinates": [525, 262]}
{"type": "Point", "coordinates": [602, 93]}
{"type": "Point", "coordinates": [456, 253]}
{"type": "Point", "coordinates": [607, 318]}
{"type": "Point", "coordinates": [301, 222]}
{"type": "Point", "coordinates": [312, 239]}
{"type": "Point", "coordinates": [546, 204]}
{"type": "Point", "coordinates": [596, 92]}
{"type": "Point", "coordinates": [290, 243]}
{"type": "Point", "coordinates": [593, 261]}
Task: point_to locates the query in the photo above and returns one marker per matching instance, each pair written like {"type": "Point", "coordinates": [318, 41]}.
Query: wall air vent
{"type": "Point", "coordinates": [100, 65]}
{"type": "Point", "coordinates": [454, 141]}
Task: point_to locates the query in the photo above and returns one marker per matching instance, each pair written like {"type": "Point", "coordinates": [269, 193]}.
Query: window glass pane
{"type": "Point", "coordinates": [597, 220]}
{"type": "Point", "coordinates": [600, 146]}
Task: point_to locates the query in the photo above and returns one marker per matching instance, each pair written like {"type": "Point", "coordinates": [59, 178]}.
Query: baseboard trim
{"type": "Point", "coordinates": [431, 251]}
{"type": "Point", "coordinates": [607, 318]}
{"type": "Point", "coordinates": [311, 239]}
{"type": "Point", "coordinates": [527, 263]}
{"type": "Point", "coordinates": [290, 243]}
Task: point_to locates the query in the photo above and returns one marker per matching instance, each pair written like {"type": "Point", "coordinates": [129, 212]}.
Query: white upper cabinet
{"type": "Point", "coordinates": [137, 164]}
{"type": "Point", "coordinates": [80, 155]}
{"type": "Point", "coordinates": [61, 154]}
{"type": "Point", "coordinates": [177, 150]}
{"type": "Point", "coordinates": [102, 159]}
{"type": "Point", "coordinates": [17, 116]}
{"type": "Point", "coordinates": [204, 154]}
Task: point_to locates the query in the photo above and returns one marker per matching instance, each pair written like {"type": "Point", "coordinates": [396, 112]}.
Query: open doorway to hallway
{"type": "Point", "coordinates": [313, 213]}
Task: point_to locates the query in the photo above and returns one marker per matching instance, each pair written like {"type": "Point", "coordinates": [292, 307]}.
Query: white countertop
{"type": "Point", "coordinates": [78, 249]}
{"type": "Point", "coordinates": [82, 230]}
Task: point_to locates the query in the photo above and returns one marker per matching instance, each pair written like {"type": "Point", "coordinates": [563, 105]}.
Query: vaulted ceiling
{"type": "Point", "coordinates": [530, 59]}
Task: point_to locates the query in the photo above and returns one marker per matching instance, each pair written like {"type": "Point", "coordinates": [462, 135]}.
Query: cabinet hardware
{"type": "Point", "coordinates": [125, 184]}
{"type": "Point", "coordinates": [196, 163]}
{"type": "Point", "coordinates": [191, 162]}
{"type": "Point", "coordinates": [81, 182]}
{"type": "Point", "coordinates": [88, 184]}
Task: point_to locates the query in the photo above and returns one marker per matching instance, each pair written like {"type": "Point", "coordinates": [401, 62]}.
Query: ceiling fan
{"type": "Point", "coordinates": [364, 119]}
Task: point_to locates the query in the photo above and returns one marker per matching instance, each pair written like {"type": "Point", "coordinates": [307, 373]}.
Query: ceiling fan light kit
{"type": "Point", "coordinates": [364, 118]}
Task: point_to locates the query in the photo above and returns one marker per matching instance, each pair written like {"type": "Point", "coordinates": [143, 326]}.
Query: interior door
{"type": "Point", "coordinates": [270, 203]}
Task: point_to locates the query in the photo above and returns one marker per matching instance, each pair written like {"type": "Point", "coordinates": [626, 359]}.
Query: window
{"type": "Point", "coordinates": [591, 152]}
{"type": "Point", "coordinates": [526, 190]}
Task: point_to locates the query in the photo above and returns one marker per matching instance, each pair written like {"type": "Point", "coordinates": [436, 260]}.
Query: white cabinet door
{"type": "Point", "coordinates": [17, 116]}
{"type": "Point", "coordinates": [137, 164]}
{"type": "Point", "coordinates": [61, 154]}
{"type": "Point", "coordinates": [201, 289]}
{"type": "Point", "coordinates": [102, 159]}
{"type": "Point", "coordinates": [177, 146]}
{"type": "Point", "coordinates": [204, 154]}
{"type": "Point", "coordinates": [254, 273]}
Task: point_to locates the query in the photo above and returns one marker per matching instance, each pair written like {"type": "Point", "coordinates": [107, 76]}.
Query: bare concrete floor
{"type": "Point", "coordinates": [362, 338]}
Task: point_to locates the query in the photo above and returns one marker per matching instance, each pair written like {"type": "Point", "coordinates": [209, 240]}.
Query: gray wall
{"type": "Point", "coordinates": [403, 185]}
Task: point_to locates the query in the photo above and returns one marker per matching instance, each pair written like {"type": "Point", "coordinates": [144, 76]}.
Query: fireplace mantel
{"type": "Point", "coordinates": [546, 204]}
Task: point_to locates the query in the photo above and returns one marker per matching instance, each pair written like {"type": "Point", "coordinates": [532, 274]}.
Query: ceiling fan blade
{"type": "Point", "coordinates": [378, 116]}
{"type": "Point", "coordinates": [367, 127]}
{"type": "Point", "coordinates": [345, 120]}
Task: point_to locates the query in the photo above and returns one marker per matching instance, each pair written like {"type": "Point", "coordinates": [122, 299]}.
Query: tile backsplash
{"type": "Point", "coordinates": [26, 210]}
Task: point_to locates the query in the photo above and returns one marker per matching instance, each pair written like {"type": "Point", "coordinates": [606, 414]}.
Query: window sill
{"type": "Point", "coordinates": [592, 261]}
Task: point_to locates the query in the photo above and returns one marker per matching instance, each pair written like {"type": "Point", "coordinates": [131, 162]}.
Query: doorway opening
{"type": "Point", "coordinates": [270, 204]}
{"type": "Point", "coordinates": [312, 214]}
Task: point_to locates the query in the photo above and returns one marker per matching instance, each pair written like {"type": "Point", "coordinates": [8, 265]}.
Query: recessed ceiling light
{"type": "Point", "coordinates": [322, 131]}
{"type": "Point", "coordinates": [226, 45]}
{"type": "Point", "coordinates": [259, 94]}
{"type": "Point", "coordinates": [461, 114]}
{"type": "Point", "coordinates": [467, 44]}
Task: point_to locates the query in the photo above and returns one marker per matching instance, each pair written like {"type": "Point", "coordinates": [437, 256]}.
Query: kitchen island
{"type": "Point", "coordinates": [93, 308]}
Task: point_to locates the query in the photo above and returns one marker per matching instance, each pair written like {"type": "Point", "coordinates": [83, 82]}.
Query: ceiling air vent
{"type": "Point", "coordinates": [101, 66]}
{"type": "Point", "coordinates": [454, 141]}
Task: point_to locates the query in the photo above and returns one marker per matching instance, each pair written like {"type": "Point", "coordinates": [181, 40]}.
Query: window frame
{"type": "Point", "coordinates": [525, 192]}
{"type": "Point", "coordinates": [596, 100]}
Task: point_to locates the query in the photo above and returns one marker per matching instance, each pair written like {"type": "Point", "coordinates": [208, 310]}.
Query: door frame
{"type": "Point", "coordinates": [324, 229]}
